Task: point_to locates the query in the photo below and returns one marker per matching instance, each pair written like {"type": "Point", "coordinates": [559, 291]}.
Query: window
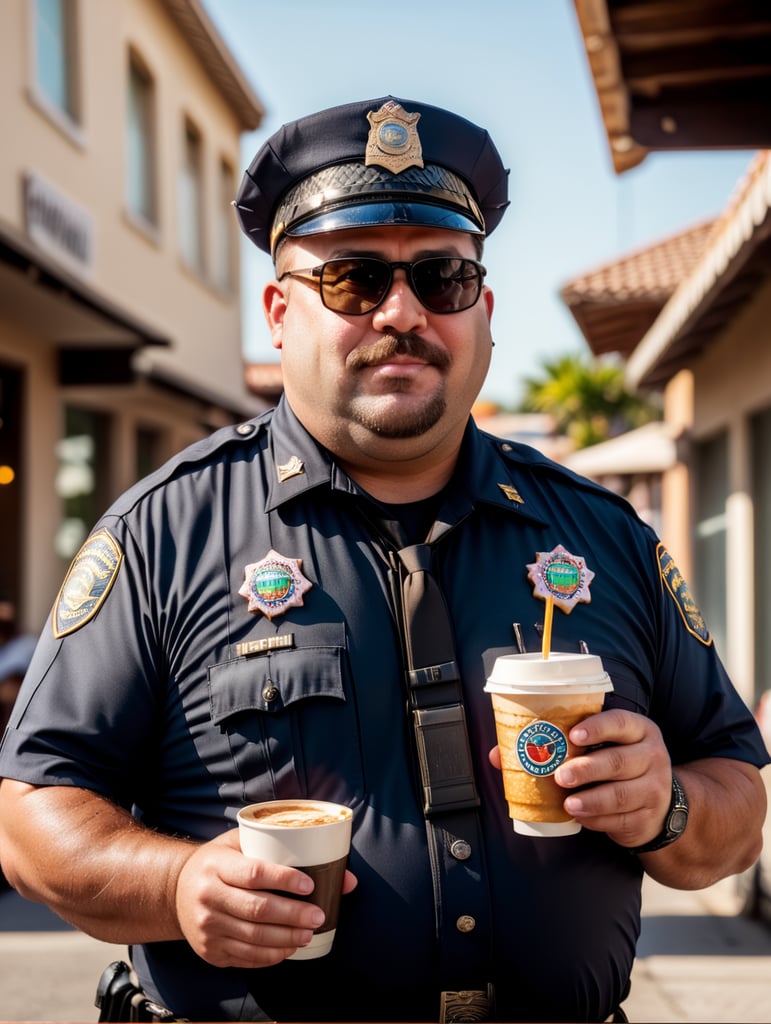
{"type": "Point", "coordinates": [711, 479]}
{"type": "Point", "coordinates": [223, 270]}
{"type": "Point", "coordinates": [82, 480]}
{"type": "Point", "coordinates": [55, 55]}
{"type": "Point", "coordinates": [191, 199]}
{"type": "Point", "coordinates": [148, 451]}
{"type": "Point", "coordinates": [140, 143]}
{"type": "Point", "coordinates": [12, 521]}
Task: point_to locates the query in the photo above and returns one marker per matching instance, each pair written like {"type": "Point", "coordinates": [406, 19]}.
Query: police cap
{"type": "Point", "coordinates": [374, 162]}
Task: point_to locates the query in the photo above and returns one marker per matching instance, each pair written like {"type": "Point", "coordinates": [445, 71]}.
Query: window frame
{"type": "Point", "coordinates": [147, 220]}
{"type": "Point", "coordinates": [68, 118]}
{"type": "Point", "coordinates": [224, 270]}
{"type": "Point", "coordinates": [195, 262]}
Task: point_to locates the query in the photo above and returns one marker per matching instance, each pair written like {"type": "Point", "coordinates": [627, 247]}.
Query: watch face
{"type": "Point", "coordinates": [678, 820]}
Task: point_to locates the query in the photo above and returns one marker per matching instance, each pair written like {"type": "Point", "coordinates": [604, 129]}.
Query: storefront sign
{"type": "Point", "coordinates": [56, 224]}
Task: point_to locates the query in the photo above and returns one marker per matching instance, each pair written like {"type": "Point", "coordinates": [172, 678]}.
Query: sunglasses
{"type": "Point", "coordinates": [356, 285]}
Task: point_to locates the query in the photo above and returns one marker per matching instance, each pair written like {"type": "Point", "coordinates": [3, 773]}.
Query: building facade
{"type": "Point", "coordinates": [710, 351]}
{"type": "Point", "coordinates": [120, 313]}
{"type": "Point", "coordinates": [707, 349]}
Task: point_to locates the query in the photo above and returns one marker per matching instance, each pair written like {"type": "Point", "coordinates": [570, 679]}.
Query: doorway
{"type": "Point", "coordinates": [11, 478]}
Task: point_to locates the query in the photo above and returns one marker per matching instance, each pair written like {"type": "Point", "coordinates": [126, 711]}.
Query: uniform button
{"type": "Point", "coordinates": [465, 923]}
{"type": "Point", "coordinates": [506, 447]}
{"type": "Point", "coordinates": [270, 693]}
{"type": "Point", "coordinates": [244, 428]}
{"type": "Point", "coordinates": [460, 849]}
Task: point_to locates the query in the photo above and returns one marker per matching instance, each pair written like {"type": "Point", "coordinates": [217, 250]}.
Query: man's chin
{"type": "Point", "coordinates": [392, 417]}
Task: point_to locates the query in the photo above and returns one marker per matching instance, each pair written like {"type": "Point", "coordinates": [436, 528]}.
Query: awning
{"type": "Point", "coordinates": [47, 299]}
{"type": "Point", "coordinates": [648, 449]}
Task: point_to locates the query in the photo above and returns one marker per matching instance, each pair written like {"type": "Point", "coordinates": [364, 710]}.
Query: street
{"type": "Point", "coordinates": [697, 961]}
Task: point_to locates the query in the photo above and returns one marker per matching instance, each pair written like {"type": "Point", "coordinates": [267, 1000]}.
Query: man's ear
{"type": "Point", "coordinates": [274, 308]}
{"type": "Point", "coordinates": [489, 301]}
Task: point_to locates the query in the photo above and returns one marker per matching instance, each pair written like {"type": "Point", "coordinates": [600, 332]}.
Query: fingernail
{"type": "Point", "coordinates": [565, 776]}
{"type": "Point", "coordinates": [579, 736]}
{"type": "Point", "coordinates": [318, 917]}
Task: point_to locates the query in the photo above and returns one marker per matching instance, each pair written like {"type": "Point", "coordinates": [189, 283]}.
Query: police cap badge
{"type": "Point", "coordinates": [373, 162]}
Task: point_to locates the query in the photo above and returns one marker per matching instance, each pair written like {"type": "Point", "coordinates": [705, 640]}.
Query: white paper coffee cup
{"type": "Point", "coordinates": [312, 835]}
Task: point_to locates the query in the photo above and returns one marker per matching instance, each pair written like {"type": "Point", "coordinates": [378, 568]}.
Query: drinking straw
{"type": "Point", "coordinates": [548, 615]}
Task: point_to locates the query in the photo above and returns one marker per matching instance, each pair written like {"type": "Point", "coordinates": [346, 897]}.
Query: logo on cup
{"type": "Point", "coordinates": [541, 748]}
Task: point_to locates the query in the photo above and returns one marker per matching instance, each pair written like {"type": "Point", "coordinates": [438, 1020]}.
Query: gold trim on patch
{"type": "Point", "coordinates": [673, 580]}
{"type": "Point", "coordinates": [87, 583]}
{"type": "Point", "coordinates": [393, 141]}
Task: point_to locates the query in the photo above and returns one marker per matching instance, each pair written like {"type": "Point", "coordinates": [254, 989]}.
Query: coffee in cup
{"type": "Point", "coordinates": [536, 702]}
{"type": "Point", "coordinates": [312, 835]}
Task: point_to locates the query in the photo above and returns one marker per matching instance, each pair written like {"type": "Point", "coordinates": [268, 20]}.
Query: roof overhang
{"type": "Point", "coordinates": [265, 381]}
{"type": "Point", "coordinates": [615, 304]}
{"type": "Point", "coordinates": [49, 300]}
{"type": "Point", "coordinates": [173, 379]}
{"type": "Point", "coordinates": [735, 262]}
{"type": "Point", "coordinates": [679, 74]}
{"type": "Point", "coordinates": [208, 46]}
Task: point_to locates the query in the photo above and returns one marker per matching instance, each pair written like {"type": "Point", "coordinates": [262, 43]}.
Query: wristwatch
{"type": "Point", "coordinates": [674, 823]}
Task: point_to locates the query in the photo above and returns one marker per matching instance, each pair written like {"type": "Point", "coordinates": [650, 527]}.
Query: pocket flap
{"type": "Point", "coordinates": [272, 681]}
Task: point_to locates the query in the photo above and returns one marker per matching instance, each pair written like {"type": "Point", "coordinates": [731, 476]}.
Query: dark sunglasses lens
{"type": "Point", "coordinates": [445, 284]}
{"type": "Point", "coordinates": [354, 286]}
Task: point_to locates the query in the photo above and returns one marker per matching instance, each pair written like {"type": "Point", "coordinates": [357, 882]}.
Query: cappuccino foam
{"type": "Point", "coordinates": [289, 815]}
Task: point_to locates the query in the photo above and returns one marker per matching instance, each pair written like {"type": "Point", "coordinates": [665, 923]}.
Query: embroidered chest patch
{"type": "Point", "coordinates": [274, 584]}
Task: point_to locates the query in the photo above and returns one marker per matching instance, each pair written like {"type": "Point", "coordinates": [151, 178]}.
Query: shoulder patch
{"type": "Point", "coordinates": [673, 581]}
{"type": "Point", "coordinates": [87, 583]}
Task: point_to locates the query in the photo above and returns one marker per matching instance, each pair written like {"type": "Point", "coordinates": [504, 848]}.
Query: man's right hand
{"type": "Point", "coordinates": [229, 912]}
{"type": "Point", "coordinates": [120, 882]}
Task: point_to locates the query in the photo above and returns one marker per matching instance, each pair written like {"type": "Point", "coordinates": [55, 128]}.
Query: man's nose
{"type": "Point", "coordinates": [401, 309]}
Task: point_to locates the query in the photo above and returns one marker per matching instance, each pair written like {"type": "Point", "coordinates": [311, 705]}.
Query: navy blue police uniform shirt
{"type": "Point", "coordinates": [164, 693]}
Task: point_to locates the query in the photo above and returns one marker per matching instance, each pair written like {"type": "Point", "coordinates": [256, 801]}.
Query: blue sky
{"type": "Point", "coordinates": [518, 68]}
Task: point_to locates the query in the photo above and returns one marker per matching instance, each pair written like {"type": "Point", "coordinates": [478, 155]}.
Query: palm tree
{"type": "Point", "coordinates": [587, 398]}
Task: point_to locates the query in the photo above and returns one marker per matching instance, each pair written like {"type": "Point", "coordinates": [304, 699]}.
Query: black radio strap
{"type": "Point", "coordinates": [450, 798]}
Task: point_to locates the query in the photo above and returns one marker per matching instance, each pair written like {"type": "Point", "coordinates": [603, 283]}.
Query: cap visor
{"type": "Point", "coordinates": [385, 214]}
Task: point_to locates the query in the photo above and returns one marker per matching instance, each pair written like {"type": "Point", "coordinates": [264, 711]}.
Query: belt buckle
{"type": "Point", "coordinates": [466, 1005]}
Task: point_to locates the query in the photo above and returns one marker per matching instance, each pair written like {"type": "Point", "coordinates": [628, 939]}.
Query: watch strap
{"type": "Point", "coordinates": [678, 809]}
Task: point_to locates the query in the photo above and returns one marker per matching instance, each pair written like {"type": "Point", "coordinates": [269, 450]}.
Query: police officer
{"type": "Point", "coordinates": [240, 627]}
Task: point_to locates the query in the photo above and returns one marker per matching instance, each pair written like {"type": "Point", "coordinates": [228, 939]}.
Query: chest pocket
{"type": "Point", "coordinates": [289, 718]}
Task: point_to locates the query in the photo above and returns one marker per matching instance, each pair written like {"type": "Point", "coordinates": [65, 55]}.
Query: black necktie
{"type": "Point", "coordinates": [434, 687]}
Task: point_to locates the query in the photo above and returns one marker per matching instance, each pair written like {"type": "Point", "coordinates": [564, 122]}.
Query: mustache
{"type": "Point", "coordinates": [391, 345]}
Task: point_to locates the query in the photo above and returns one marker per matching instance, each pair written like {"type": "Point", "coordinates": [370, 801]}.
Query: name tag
{"type": "Point", "coordinates": [268, 643]}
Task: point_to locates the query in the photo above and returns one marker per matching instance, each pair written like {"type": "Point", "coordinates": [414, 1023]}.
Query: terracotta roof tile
{"type": "Point", "coordinates": [615, 304]}
{"type": "Point", "coordinates": [650, 273]}
{"type": "Point", "coordinates": [265, 380]}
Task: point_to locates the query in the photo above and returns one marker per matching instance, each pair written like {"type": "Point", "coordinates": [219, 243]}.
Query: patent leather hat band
{"type": "Point", "coordinates": [353, 195]}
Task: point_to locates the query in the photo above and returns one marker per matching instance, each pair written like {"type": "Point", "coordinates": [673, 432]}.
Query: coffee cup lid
{"type": "Point", "coordinates": [532, 673]}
